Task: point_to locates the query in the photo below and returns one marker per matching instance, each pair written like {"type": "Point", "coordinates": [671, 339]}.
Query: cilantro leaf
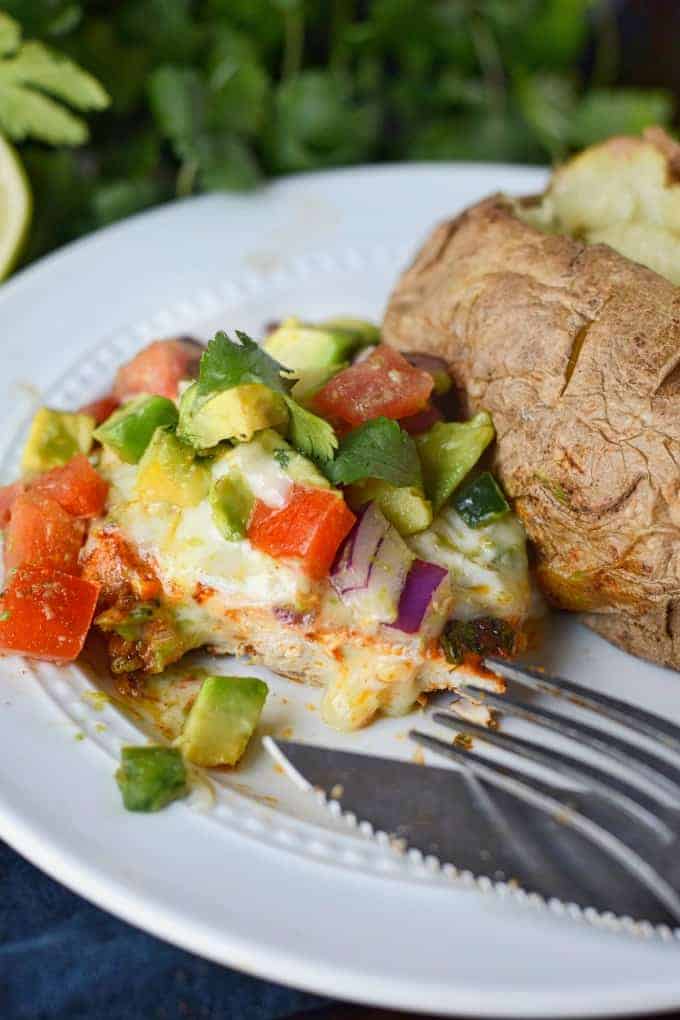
{"type": "Point", "coordinates": [605, 112]}
{"type": "Point", "coordinates": [10, 34]}
{"type": "Point", "coordinates": [30, 70]}
{"type": "Point", "coordinates": [206, 124]}
{"type": "Point", "coordinates": [39, 67]}
{"type": "Point", "coordinates": [282, 457]}
{"type": "Point", "coordinates": [377, 449]}
{"type": "Point", "coordinates": [319, 121]}
{"type": "Point", "coordinates": [226, 363]}
{"type": "Point", "coordinates": [309, 434]}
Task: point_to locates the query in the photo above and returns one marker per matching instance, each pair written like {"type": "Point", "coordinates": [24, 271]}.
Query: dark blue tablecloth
{"type": "Point", "coordinates": [63, 959]}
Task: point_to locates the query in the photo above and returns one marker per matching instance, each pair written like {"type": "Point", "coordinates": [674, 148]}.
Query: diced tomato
{"type": "Point", "coordinates": [41, 534]}
{"type": "Point", "coordinates": [76, 487]}
{"type": "Point", "coordinates": [8, 493]}
{"type": "Point", "coordinates": [158, 369]}
{"type": "Point", "coordinates": [310, 527]}
{"type": "Point", "coordinates": [421, 421]}
{"type": "Point", "coordinates": [382, 384]}
{"type": "Point", "coordinates": [102, 408]}
{"type": "Point", "coordinates": [46, 614]}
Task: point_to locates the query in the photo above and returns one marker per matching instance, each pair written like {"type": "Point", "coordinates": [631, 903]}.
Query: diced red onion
{"type": "Point", "coordinates": [373, 566]}
{"type": "Point", "coordinates": [286, 614]}
{"type": "Point", "coordinates": [421, 584]}
{"type": "Point", "coordinates": [422, 420]}
{"type": "Point", "coordinates": [428, 362]}
{"type": "Point", "coordinates": [353, 566]}
{"type": "Point", "coordinates": [448, 404]}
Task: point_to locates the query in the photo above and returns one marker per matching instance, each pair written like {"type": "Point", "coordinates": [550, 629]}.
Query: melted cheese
{"type": "Point", "coordinates": [487, 566]}
{"type": "Point", "coordinates": [267, 480]}
{"type": "Point", "coordinates": [188, 549]}
{"type": "Point", "coordinates": [367, 666]}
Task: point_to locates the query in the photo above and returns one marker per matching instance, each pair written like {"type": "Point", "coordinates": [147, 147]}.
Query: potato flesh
{"type": "Point", "coordinates": [623, 193]}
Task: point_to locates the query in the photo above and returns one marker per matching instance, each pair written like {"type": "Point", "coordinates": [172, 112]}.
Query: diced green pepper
{"type": "Point", "coordinates": [448, 451]}
{"type": "Point", "coordinates": [485, 635]}
{"type": "Point", "coordinates": [481, 501]}
{"type": "Point", "coordinates": [150, 777]}
{"type": "Point", "coordinates": [231, 500]}
{"type": "Point", "coordinates": [222, 719]}
{"type": "Point", "coordinates": [129, 430]}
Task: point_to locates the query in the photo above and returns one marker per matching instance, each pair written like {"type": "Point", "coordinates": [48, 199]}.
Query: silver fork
{"type": "Point", "coordinates": [627, 805]}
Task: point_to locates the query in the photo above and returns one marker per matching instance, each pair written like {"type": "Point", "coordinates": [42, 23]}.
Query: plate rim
{"type": "Point", "coordinates": [86, 879]}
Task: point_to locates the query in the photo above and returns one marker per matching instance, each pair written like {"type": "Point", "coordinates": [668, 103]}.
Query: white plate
{"type": "Point", "coordinates": [276, 887]}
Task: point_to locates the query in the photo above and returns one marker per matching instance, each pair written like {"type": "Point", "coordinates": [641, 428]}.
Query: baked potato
{"type": "Point", "coordinates": [560, 315]}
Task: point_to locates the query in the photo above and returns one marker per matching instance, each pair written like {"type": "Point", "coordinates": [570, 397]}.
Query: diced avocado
{"type": "Point", "coordinates": [448, 451]}
{"type": "Point", "coordinates": [55, 437]}
{"type": "Point", "coordinates": [150, 777]}
{"type": "Point", "coordinates": [366, 332]}
{"type": "Point", "coordinates": [237, 413]}
{"type": "Point", "coordinates": [305, 348]}
{"type": "Point", "coordinates": [299, 468]}
{"type": "Point", "coordinates": [481, 501]}
{"type": "Point", "coordinates": [169, 473]}
{"type": "Point", "coordinates": [222, 719]}
{"type": "Point", "coordinates": [317, 352]}
{"type": "Point", "coordinates": [231, 500]}
{"type": "Point", "coordinates": [404, 506]}
{"type": "Point", "coordinates": [129, 430]}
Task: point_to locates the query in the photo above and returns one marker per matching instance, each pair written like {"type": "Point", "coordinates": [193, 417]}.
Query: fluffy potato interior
{"type": "Point", "coordinates": [624, 193]}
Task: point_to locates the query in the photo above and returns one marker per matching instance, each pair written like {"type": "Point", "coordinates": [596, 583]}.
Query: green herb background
{"type": "Point", "coordinates": [209, 95]}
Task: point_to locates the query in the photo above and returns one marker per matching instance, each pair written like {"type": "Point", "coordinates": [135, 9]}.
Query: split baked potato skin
{"type": "Point", "coordinates": [575, 351]}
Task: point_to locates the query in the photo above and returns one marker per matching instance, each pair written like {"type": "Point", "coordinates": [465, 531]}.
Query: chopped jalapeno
{"type": "Point", "coordinates": [481, 501]}
{"type": "Point", "coordinates": [484, 636]}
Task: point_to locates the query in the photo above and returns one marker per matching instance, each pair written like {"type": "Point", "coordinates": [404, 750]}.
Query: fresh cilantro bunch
{"type": "Point", "coordinates": [223, 94]}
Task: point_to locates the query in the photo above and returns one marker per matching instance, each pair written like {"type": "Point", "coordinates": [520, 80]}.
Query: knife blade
{"type": "Point", "coordinates": [475, 826]}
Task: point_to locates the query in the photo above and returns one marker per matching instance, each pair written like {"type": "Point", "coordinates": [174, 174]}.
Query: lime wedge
{"type": "Point", "coordinates": [15, 207]}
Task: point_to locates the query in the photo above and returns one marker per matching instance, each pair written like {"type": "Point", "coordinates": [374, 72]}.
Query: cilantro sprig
{"type": "Point", "coordinates": [226, 364]}
{"type": "Point", "coordinates": [377, 449]}
{"type": "Point", "coordinates": [37, 86]}
{"type": "Point", "coordinates": [309, 434]}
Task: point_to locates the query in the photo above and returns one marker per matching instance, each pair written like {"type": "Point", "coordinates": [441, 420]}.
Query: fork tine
{"type": "Point", "coordinates": [664, 778]}
{"type": "Point", "coordinates": [540, 795]}
{"type": "Point", "coordinates": [634, 718]}
{"type": "Point", "coordinates": [619, 792]}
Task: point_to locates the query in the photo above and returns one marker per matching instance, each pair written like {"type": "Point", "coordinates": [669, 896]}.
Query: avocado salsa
{"type": "Point", "coordinates": [316, 475]}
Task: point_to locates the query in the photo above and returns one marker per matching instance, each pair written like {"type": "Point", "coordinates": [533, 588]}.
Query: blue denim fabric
{"type": "Point", "coordinates": [63, 959]}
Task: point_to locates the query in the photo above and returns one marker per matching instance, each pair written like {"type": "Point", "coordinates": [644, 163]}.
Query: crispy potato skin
{"type": "Point", "coordinates": [575, 351]}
